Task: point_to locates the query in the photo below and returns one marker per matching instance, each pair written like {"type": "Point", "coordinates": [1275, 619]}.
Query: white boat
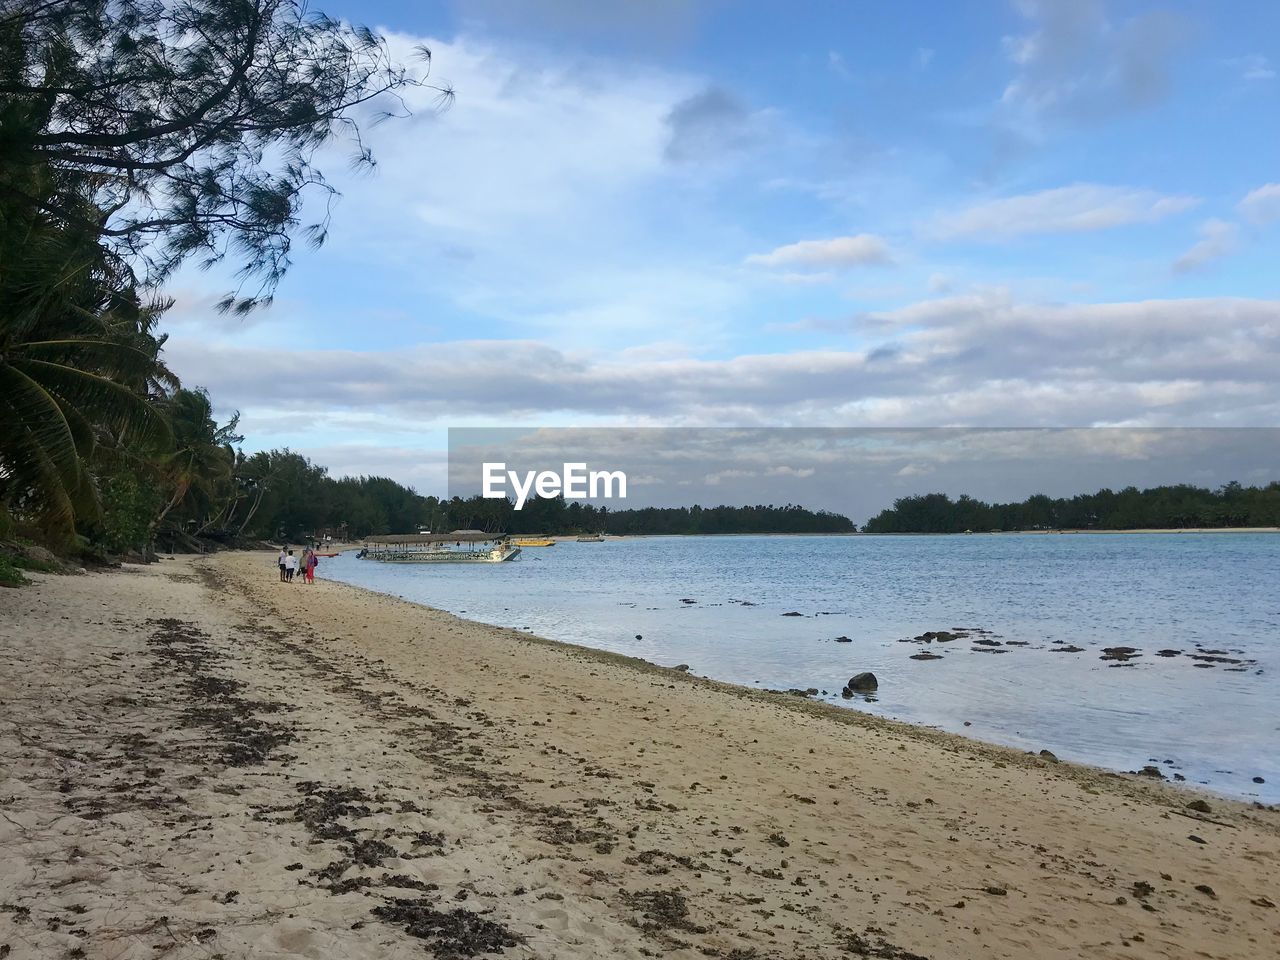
{"type": "Point", "coordinates": [591, 538]}
{"type": "Point", "coordinates": [461, 546]}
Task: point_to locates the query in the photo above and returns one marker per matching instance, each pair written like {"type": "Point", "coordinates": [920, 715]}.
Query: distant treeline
{"type": "Point", "coordinates": [722, 519]}
{"type": "Point", "coordinates": [281, 495]}
{"type": "Point", "coordinates": [555, 515]}
{"type": "Point", "coordinates": [1179, 506]}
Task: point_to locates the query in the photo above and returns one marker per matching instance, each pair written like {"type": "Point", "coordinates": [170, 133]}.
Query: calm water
{"type": "Point", "coordinates": [1219, 725]}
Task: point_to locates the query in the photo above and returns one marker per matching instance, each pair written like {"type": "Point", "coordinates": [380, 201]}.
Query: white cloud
{"type": "Point", "coordinates": [860, 250]}
{"type": "Point", "coordinates": [1217, 239]}
{"type": "Point", "coordinates": [585, 132]}
{"type": "Point", "coordinates": [714, 479]}
{"type": "Point", "coordinates": [530, 203]}
{"type": "Point", "coordinates": [1253, 67]}
{"type": "Point", "coordinates": [916, 470]}
{"type": "Point", "coordinates": [981, 359]}
{"type": "Point", "coordinates": [803, 279]}
{"type": "Point", "coordinates": [1077, 208]}
{"type": "Point", "coordinates": [1261, 206]}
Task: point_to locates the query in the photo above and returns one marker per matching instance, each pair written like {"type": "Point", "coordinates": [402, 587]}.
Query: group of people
{"type": "Point", "coordinates": [304, 567]}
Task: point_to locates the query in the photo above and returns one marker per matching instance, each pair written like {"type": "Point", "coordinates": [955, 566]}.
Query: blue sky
{"type": "Point", "coordinates": [1026, 213]}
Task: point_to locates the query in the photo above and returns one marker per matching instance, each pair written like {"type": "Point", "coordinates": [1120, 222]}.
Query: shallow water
{"type": "Point", "coordinates": [1216, 725]}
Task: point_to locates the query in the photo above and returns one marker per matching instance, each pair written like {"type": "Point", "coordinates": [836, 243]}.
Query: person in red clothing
{"type": "Point", "coordinates": [312, 562]}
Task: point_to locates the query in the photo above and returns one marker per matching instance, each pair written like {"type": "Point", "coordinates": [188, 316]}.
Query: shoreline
{"type": "Point", "coordinates": [976, 533]}
{"type": "Point", "coordinates": [345, 763]}
{"type": "Point", "coordinates": [1073, 531]}
{"type": "Point", "coordinates": [833, 712]}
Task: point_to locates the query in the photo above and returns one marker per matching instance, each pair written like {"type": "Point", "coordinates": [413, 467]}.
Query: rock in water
{"type": "Point", "coordinates": [1119, 653]}
{"type": "Point", "coordinates": [863, 682]}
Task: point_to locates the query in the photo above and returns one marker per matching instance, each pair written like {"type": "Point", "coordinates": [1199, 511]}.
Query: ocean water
{"type": "Point", "coordinates": [1214, 595]}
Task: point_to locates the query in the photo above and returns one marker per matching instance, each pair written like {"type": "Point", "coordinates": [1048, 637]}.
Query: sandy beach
{"type": "Point", "coordinates": [200, 761]}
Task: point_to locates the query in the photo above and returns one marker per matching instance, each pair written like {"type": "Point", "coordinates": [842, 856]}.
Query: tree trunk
{"type": "Point", "coordinates": [252, 510]}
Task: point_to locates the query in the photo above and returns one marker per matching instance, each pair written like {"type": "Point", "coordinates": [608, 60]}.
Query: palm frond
{"type": "Point", "coordinates": [112, 404]}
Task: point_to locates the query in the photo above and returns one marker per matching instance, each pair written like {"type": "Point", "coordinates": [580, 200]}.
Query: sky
{"type": "Point", "coordinates": [1004, 213]}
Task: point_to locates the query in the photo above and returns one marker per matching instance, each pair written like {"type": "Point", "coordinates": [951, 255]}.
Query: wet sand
{"type": "Point", "coordinates": [199, 761]}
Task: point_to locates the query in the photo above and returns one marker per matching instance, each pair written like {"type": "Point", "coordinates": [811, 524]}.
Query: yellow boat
{"type": "Point", "coordinates": [535, 542]}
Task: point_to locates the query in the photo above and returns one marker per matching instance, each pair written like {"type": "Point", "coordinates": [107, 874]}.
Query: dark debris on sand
{"type": "Point", "coordinates": [332, 814]}
{"type": "Point", "coordinates": [241, 737]}
{"type": "Point", "coordinates": [451, 935]}
{"type": "Point", "coordinates": [661, 911]}
{"type": "Point", "coordinates": [872, 943]}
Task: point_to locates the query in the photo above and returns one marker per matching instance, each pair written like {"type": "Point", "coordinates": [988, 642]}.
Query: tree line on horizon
{"type": "Point", "coordinates": [555, 515]}
{"type": "Point", "coordinates": [1179, 506]}
{"type": "Point", "coordinates": [282, 496]}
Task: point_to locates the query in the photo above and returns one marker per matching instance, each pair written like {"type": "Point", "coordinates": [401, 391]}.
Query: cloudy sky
{"type": "Point", "coordinates": [693, 213]}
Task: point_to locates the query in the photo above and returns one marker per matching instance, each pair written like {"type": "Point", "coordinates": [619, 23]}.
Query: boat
{"type": "Point", "coordinates": [591, 538]}
{"type": "Point", "coordinates": [534, 542]}
{"type": "Point", "coordinates": [460, 546]}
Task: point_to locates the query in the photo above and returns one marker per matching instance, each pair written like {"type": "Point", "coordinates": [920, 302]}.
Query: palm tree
{"type": "Point", "coordinates": [200, 468]}
{"type": "Point", "coordinates": [76, 357]}
{"type": "Point", "coordinates": [257, 474]}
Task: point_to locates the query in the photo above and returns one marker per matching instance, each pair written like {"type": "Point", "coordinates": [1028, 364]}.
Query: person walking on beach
{"type": "Point", "coordinates": [280, 563]}
{"type": "Point", "coordinates": [312, 562]}
{"type": "Point", "coordinates": [290, 567]}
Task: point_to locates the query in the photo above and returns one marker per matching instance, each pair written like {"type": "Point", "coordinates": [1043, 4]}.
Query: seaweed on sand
{"type": "Point", "coordinates": [662, 911]}
{"type": "Point", "coordinates": [452, 935]}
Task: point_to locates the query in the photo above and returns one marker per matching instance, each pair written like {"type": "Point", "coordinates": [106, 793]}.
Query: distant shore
{"type": "Point", "coordinates": [864, 533]}
{"type": "Point", "coordinates": [1083, 530]}
{"type": "Point", "coordinates": [202, 760]}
